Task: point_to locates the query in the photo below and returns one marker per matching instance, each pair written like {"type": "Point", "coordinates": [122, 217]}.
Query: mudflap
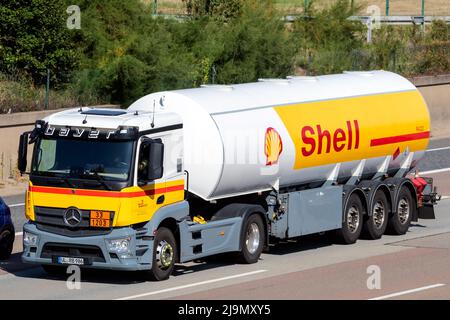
{"type": "Point", "coordinates": [426, 211]}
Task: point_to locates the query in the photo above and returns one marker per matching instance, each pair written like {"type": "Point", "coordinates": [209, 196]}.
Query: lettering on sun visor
{"type": "Point", "coordinates": [89, 133]}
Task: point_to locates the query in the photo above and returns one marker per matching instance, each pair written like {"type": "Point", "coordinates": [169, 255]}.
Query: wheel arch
{"type": "Point", "coordinates": [348, 192]}
{"type": "Point", "coordinates": [244, 210]}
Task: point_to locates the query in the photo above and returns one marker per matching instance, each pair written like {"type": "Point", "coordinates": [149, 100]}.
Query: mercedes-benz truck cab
{"type": "Point", "coordinates": [97, 179]}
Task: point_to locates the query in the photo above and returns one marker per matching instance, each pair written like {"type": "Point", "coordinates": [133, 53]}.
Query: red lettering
{"type": "Point", "coordinates": [350, 135]}
{"type": "Point", "coordinates": [356, 133]}
{"type": "Point", "coordinates": [321, 135]}
{"type": "Point", "coordinates": [308, 140]}
{"type": "Point", "coordinates": [339, 136]}
{"type": "Point", "coordinates": [338, 140]}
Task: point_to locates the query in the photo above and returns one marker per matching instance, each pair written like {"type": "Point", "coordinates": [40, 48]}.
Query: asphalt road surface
{"type": "Point", "coordinates": [413, 266]}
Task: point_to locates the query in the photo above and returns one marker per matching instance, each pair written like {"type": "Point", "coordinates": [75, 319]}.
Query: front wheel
{"type": "Point", "coordinates": [164, 254]}
{"type": "Point", "coordinates": [6, 243]}
{"type": "Point", "coordinates": [252, 240]}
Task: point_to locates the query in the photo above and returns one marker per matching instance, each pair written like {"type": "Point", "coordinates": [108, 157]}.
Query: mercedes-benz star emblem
{"type": "Point", "coordinates": [72, 217]}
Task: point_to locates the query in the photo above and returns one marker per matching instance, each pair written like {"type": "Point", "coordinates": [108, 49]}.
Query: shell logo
{"type": "Point", "coordinates": [273, 146]}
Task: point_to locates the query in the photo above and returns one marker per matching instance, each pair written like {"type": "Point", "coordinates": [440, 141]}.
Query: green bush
{"type": "Point", "coordinates": [433, 54]}
{"type": "Point", "coordinates": [220, 9]}
{"type": "Point", "coordinates": [19, 94]}
{"type": "Point", "coordinates": [34, 37]}
{"type": "Point", "coordinates": [389, 48]}
{"type": "Point", "coordinates": [328, 40]}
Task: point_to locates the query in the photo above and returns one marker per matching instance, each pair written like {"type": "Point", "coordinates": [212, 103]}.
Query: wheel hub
{"type": "Point", "coordinates": [164, 255]}
{"type": "Point", "coordinates": [378, 214]}
{"type": "Point", "coordinates": [253, 238]}
{"type": "Point", "coordinates": [353, 219]}
{"type": "Point", "coordinates": [403, 210]}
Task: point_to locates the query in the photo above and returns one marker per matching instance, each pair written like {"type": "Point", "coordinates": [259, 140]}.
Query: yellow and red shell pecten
{"type": "Point", "coordinates": [273, 146]}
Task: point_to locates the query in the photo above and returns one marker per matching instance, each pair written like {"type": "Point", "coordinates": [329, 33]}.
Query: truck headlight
{"type": "Point", "coordinates": [122, 246]}
{"type": "Point", "coordinates": [30, 239]}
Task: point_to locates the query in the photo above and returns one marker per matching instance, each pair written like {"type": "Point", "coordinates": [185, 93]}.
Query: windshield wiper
{"type": "Point", "coordinates": [55, 176]}
{"type": "Point", "coordinates": [98, 178]}
{"type": "Point", "coordinates": [68, 182]}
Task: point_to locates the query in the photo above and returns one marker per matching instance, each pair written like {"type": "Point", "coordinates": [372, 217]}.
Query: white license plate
{"type": "Point", "coordinates": [69, 260]}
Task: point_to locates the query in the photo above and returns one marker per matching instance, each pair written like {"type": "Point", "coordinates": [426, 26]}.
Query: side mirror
{"type": "Point", "coordinates": [22, 154]}
{"type": "Point", "coordinates": [156, 160]}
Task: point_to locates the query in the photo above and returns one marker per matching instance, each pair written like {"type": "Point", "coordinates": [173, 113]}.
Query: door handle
{"type": "Point", "coordinates": [160, 199]}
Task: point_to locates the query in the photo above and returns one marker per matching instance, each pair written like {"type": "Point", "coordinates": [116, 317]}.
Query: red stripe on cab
{"type": "Point", "coordinates": [109, 194]}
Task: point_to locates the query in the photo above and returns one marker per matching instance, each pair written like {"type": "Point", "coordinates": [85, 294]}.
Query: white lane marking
{"type": "Point", "coordinates": [438, 149]}
{"type": "Point", "coordinates": [19, 233]}
{"type": "Point", "coordinates": [435, 171]}
{"type": "Point", "coordinates": [16, 205]}
{"type": "Point", "coordinates": [437, 285]}
{"type": "Point", "coordinates": [191, 285]}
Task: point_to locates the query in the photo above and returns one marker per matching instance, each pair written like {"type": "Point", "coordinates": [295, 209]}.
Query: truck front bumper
{"type": "Point", "coordinates": [94, 249]}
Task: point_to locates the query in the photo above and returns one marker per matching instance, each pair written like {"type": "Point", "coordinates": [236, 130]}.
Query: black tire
{"type": "Point", "coordinates": [253, 238]}
{"type": "Point", "coordinates": [375, 224]}
{"type": "Point", "coordinates": [6, 243]}
{"type": "Point", "coordinates": [353, 221]}
{"type": "Point", "coordinates": [53, 270]}
{"type": "Point", "coordinates": [164, 254]}
{"type": "Point", "coordinates": [404, 210]}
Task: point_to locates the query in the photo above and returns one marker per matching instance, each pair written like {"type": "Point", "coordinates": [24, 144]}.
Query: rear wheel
{"type": "Point", "coordinates": [164, 254]}
{"type": "Point", "coordinates": [400, 220]}
{"type": "Point", "coordinates": [252, 240]}
{"type": "Point", "coordinates": [353, 221]}
{"type": "Point", "coordinates": [375, 224]}
{"type": "Point", "coordinates": [6, 243]}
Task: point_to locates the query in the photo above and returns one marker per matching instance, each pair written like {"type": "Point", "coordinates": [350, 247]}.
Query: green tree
{"type": "Point", "coordinates": [433, 54]}
{"type": "Point", "coordinates": [34, 37]}
{"type": "Point", "coordinates": [220, 9]}
{"type": "Point", "coordinates": [252, 45]}
{"type": "Point", "coordinates": [329, 41]}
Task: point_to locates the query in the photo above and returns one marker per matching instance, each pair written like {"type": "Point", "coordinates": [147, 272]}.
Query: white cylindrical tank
{"type": "Point", "coordinates": [245, 138]}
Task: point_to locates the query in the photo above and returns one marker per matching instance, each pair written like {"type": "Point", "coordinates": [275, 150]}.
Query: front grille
{"type": "Point", "coordinates": [92, 253]}
{"type": "Point", "coordinates": [52, 220]}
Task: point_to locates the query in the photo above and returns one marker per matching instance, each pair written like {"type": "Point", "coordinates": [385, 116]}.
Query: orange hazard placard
{"type": "Point", "coordinates": [100, 219]}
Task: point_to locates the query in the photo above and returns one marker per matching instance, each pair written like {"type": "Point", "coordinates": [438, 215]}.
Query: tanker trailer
{"type": "Point", "coordinates": [186, 174]}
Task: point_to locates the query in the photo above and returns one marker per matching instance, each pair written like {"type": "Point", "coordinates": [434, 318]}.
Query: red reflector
{"type": "Point", "coordinates": [420, 184]}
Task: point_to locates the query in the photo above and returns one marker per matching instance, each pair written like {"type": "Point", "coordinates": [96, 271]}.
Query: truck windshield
{"type": "Point", "coordinates": [85, 159]}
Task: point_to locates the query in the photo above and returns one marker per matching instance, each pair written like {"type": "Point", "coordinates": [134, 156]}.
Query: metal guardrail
{"type": "Point", "coordinates": [401, 20]}
{"type": "Point", "coordinates": [393, 20]}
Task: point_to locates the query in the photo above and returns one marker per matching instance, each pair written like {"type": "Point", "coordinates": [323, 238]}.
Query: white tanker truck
{"type": "Point", "coordinates": [186, 174]}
